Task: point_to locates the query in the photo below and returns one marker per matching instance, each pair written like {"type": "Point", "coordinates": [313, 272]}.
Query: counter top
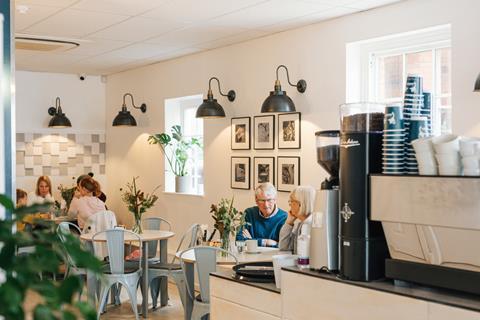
{"type": "Point", "coordinates": [230, 275]}
{"type": "Point", "coordinates": [442, 296]}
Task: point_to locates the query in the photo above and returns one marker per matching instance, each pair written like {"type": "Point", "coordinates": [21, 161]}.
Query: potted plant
{"type": "Point", "coordinates": [228, 220]}
{"type": "Point", "coordinates": [138, 202]}
{"type": "Point", "coordinates": [176, 148]}
{"type": "Point", "coordinates": [26, 294]}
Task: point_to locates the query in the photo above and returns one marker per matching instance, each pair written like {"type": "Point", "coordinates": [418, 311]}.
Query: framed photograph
{"type": "Point", "coordinates": [263, 170]}
{"type": "Point", "coordinates": [240, 177]}
{"type": "Point", "coordinates": [289, 130]}
{"type": "Point", "coordinates": [241, 133]}
{"type": "Point", "coordinates": [288, 173]}
{"type": "Point", "coordinates": [264, 132]}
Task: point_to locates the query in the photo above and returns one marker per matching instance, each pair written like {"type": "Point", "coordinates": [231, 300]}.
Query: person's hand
{"type": "Point", "coordinates": [291, 218]}
{"type": "Point", "coordinates": [246, 234]}
{"type": "Point", "coordinates": [270, 243]}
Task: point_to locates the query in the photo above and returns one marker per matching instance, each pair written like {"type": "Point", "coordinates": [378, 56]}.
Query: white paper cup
{"type": "Point", "coordinates": [469, 146]}
{"type": "Point", "coordinates": [471, 172]}
{"type": "Point", "coordinates": [423, 145]}
{"type": "Point", "coordinates": [449, 170]}
{"type": "Point", "coordinates": [446, 143]}
{"type": "Point", "coordinates": [471, 162]}
{"type": "Point", "coordinates": [426, 170]}
{"type": "Point", "coordinates": [280, 261]}
{"type": "Point", "coordinates": [252, 245]}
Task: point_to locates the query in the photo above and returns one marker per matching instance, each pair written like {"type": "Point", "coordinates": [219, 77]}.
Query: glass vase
{"type": "Point", "coordinates": [225, 243]}
{"type": "Point", "coordinates": [137, 227]}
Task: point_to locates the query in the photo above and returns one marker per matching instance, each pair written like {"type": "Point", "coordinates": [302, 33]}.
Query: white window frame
{"type": "Point", "coordinates": [175, 115]}
{"type": "Point", "coordinates": [361, 68]}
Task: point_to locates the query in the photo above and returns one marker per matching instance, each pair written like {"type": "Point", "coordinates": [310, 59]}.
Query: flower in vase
{"type": "Point", "coordinates": [228, 220]}
{"type": "Point", "coordinates": [138, 202]}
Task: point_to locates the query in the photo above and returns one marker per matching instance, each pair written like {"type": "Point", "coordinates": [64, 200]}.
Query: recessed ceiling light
{"type": "Point", "coordinates": [21, 8]}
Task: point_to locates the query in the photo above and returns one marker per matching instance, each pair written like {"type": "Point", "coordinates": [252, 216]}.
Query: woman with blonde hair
{"type": "Point", "coordinates": [301, 201]}
{"type": "Point", "coordinates": [88, 203]}
{"type": "Point", "coordinates": [43, 192]}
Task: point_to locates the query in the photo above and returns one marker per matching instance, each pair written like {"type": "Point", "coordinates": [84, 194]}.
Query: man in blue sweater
{"type": "Point", "coordinates": [265, 220]}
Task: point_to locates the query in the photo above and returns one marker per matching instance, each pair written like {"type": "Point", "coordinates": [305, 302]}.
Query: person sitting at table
{"type": "Point", "coordinates": [301, 201]}
{"type": "Point", "coordinates": [42, 193]}
{"type": "Point", "coordinates": [102, 196]}
{"type": "Point", "coordinates": [88, 203]}
{"type": "Point", "coordinates": [22, 200]}
{"type": "Point", "coordinates": [265, 220]}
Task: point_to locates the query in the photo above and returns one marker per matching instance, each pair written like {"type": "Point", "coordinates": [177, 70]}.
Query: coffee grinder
{"type": "Point", "coordinates": [363, 248]}
{"type": "Point", "coordinates": [324, 232]}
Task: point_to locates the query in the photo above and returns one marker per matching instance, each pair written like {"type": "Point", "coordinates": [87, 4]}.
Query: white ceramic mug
{"type": "Point", "coordinates": [252, 245]}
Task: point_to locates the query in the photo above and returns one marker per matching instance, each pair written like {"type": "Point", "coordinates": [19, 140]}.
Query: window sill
{"type": "Point", "coordinates": [184, 194]}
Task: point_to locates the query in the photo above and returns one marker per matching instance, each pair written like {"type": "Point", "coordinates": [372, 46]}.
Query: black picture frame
{"type": "Point", "coordinates": [289, 130]}
{"type": "Point", "coordinates": [288, 173]}
{"type": "Point", "coordinates": [240, 173]}
{"type": "Point", "coordinates": [263, 170]}
{"type": "Point", "coordinates": [264, 132]}
{"type": "Point", "coordinates": [240, 133]}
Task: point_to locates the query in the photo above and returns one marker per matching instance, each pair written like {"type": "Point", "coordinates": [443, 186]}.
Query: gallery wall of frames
{"type": "Point", "coordinates": [266, 132]}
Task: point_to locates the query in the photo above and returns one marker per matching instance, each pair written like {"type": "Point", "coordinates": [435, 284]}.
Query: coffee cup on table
{"type": "Point", "coordinates": [252, 245]}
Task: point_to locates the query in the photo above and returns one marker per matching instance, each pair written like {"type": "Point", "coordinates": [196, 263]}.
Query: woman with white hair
{"type": "Point", "coordinates": [301, 201]}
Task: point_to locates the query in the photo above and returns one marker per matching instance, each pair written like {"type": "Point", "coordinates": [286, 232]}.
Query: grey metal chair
{"type": "Point", "coordinates": [172, 269]}
{"type": "Point", "coordinates": [116, 272]}
{"type": "Point", "coordinates": [205, 262]}
{"type": "Point", "coordinates": [63, 229]}
{"type": "Point", "coordinates": [154, 223]}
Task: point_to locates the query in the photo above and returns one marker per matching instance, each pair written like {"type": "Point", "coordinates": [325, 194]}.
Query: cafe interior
{"type": "Point", "coordinates": [296, 93]}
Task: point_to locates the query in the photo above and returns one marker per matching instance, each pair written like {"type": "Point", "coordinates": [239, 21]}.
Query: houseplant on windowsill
{"type": "Point", "coordinates": [138, 202]}
{"type": "Point", "coordinates": [228, 220]}
{"type": "Point", "coordinates": [176, 150]}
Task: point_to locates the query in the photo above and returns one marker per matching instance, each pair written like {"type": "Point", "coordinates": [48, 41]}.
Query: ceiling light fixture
{"type": "Point", "coordinates": [124, 118]}
{"type": "Point", "coordinates": [210, 108]}
{"type": "Point", "coordinates": [278, 101]}
{"type": "Point", "coordinates": [59, 119]}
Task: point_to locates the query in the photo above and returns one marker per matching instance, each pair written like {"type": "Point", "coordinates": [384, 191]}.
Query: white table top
{"type": "Point", "coordinates": [146, 235]}
{"type": "Point", "coordinates": [265, 254]}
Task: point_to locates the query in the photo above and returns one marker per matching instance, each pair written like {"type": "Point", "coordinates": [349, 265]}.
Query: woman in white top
{"type": "Point", "coordinates": [43, 192]}
{"type": "Point", "coordinates": [301, 201]}
{"type": "Point", "coordinates": [88, 203]}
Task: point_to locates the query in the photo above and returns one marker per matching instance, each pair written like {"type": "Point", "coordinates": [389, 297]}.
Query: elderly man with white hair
{"type": "Point", "coordinates": [265, 220]}
{"type": "Point", "coordinates": [301, 201]}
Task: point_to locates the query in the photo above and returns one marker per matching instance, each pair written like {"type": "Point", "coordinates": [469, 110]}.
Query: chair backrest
{"type": "Point", "coordinates": [115, 244]}
{"type": "Point", "coordinates": [189, 237]}
{"type": "Point", "coordinates": [154, 223]}
{"type": "Point", "coordinates": [100, 221]}
{"type": "Point", "coordinates": [206, 262]}
{"type": "Point", "coordinates": [63, 229]}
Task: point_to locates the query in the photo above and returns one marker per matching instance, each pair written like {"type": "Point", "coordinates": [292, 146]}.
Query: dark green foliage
{"type": "Point", "coordinates": [21, 274]}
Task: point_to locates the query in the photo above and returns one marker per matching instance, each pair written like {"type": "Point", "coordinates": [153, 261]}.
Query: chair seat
{"type": "Point", "coordinates": [128, 268]}
{"type": "Point", "coordinates": [166, 266]}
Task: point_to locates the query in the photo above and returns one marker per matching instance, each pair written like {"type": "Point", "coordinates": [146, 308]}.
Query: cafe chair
{"type": "Point", "coordinates": [154, 223]}
{"type": "Point", "coordinates": [172, 269]}
{"type": "Point", "coordinates": [116, 272]}
{"type": "Point", "coordinates": [205, 263]}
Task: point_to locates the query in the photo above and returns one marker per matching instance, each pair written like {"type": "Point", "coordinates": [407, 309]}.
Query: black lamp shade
{"type": "Point", "coordinates": [124, 118]}
{"type": "Point", "coordinates": [59, 120]}
{"type": "Point", "coordinates": [210, 108]}
{"type": "Point", "coordinates": [278, 101]}
{"type": "Point", "coordinates": [477, 84]}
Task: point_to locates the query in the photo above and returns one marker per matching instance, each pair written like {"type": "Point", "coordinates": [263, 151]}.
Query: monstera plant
{"type": "Point", "coordinates": [176, 149]}
{"type": "Point", "coordinates": [26, 277]}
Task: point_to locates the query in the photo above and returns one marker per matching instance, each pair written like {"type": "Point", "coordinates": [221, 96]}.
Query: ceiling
{"type": "Point", "coordinates": [117, 35]}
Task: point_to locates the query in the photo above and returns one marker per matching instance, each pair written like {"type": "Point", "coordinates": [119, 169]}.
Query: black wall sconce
{"type": "Point", "coordinates": [477, 84]}
{"type": "Point", "coordinates": [124, 118]}
{"type": "Point", "coordinates": [210, 108]}
{"type": "Point", "coordinates": [59, 119]}
{"type": "Point", "coordinates": [278, 101]}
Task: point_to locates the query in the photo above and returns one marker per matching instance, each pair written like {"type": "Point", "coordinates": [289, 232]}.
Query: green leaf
{"type": "Point", "coordinates": [42, 312]}
{"type": "Point", "coordinates": [68, 288]}
{"type": "Point", "coordinates": [86, 310]}
{"type": "Point", "coordinates": [6, 202]}
{"type": "Point", "coordinates": [67, 315]}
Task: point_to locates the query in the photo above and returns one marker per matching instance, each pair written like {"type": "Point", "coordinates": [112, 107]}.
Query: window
{"type": "Point", "coordinates": [382, 65]}
{"type": "Point", "coordinates": [181, 111]}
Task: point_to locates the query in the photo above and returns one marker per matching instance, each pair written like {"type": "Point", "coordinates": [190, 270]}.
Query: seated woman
{"type": "Point", "coordinates": [302, 201]}
{"type": "Point", "coordinates": [43, 192]}
{"type": "Point", "coordinates": [88, 203]}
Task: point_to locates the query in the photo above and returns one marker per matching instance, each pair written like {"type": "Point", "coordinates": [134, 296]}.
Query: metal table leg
{"type": "Point", "coordinates": [163, 280]}
{"type": "Point", "coordinates": [190, 282]}
{"type": "Point", "coordinates": [145, 278]}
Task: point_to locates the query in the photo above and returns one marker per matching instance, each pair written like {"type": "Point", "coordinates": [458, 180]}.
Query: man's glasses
{"type": "Point", "coordinates": [266, 200]}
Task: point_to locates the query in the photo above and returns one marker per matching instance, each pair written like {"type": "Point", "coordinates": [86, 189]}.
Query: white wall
{"type": "Point", "coordinates": [315, 53]}
{"type": "Point", "coordinates": [82, 101]}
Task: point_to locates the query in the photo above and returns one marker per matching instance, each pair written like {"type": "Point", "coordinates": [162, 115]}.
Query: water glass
{"type": "Point", "coordinates": [240, 246]}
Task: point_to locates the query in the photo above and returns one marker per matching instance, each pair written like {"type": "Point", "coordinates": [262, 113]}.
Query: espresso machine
{"type": "Point", "coordinates": [363, 248]}
{"type": "Point", "coordinates": [324, 232]}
